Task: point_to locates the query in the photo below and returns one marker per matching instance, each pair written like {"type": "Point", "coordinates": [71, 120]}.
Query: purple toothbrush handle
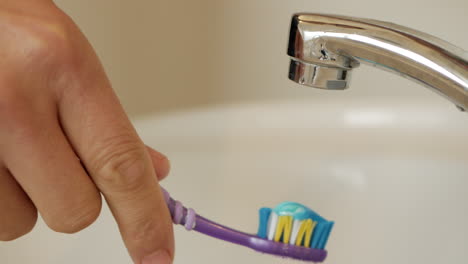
{"type": "Point", "coordinates": [210, 228]}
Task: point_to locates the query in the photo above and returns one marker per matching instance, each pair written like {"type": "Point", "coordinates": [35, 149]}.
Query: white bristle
{"type": "Point", "coordinates": [296, 225]}
{"type": "Point", "coordinates": [272, 222]}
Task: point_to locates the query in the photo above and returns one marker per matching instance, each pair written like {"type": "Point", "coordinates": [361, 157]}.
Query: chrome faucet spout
{"type": "Point", "coordinates": [325, 48]}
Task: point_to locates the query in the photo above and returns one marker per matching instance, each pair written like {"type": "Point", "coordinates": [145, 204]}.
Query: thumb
{"type": "Point", "coordinates": [161, 163]}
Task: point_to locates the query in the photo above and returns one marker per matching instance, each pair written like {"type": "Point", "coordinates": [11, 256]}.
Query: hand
{"type": "Point", "coordinates": [65, 139]}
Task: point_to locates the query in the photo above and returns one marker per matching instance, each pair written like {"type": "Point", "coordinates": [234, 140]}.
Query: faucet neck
{"type": "Point", "coordinates": [325, 48]}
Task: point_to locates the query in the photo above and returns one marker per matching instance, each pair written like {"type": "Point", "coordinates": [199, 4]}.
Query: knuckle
{"type": "Point", "coordinates": [119, 164]}
{"type": "Point", "coordinates": [143, 230]}
{"type": "Point", "coordinates": [49, 41]}
{"type": "Point", "coordinates": [72, 220]}
{"type": "Point", "coordinates": [148, 229]}
{"type": "Point", "coordinates": [44, 46]}
{"type": "Point", "coordinates": [12, 231]}
{"type": "Point", "coordinates": [47, 37]}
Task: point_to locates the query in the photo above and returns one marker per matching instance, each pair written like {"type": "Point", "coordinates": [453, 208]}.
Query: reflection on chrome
{"type": "Point", "coordinates": [325, 48]}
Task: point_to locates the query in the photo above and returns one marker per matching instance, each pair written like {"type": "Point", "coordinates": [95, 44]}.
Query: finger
{"type": "Point", "coordinates": [161, 163]}
{"type": "Point", "coordinates": [118, 162]}
{"type": "Point", "coordinates": [18, 214]}
{"type": "Point", "coordinates": [42, 161]}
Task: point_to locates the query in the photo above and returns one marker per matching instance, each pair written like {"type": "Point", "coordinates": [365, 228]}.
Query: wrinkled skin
{"type": "Point", "coordinates": [65, 139]}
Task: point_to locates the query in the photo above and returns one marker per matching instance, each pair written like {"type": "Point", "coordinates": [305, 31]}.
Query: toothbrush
{"type": "Point", "coordinates": [289, 230]}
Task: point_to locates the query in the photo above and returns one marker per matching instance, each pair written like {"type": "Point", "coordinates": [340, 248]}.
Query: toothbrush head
{"type": "Point", "coordinates": [290, 230]}
{"type": "Point", "coordinates": [294, 224]}
{"type": "Point", "coordinates": [253, 241]}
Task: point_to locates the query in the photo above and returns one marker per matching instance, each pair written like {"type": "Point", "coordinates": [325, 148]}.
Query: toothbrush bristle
{"type": "Point", "coordinates": [296, 225]}
{"type": "Point", "coordinates": [272, 222]}
{"type": "Point", "coordinates": [311, 232]}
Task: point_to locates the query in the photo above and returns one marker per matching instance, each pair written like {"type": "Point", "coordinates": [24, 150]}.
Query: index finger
{"type": "Point", "coordinates": [118, 162]}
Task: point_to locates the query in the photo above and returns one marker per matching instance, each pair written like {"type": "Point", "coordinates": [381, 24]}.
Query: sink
{"type": "Point", "coordinates": [393, 176]}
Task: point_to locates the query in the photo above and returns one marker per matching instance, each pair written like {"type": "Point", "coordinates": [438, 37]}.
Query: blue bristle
{"type": "Point", "coordinates": [318, 230]}
{"type": "Point", "coordinates": [264, 214]}
{"type": "Point", "coordinates": [326, 235]}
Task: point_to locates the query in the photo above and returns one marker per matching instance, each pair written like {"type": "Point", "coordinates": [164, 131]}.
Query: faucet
{"type": "Point", "coordinates": [325, 48]}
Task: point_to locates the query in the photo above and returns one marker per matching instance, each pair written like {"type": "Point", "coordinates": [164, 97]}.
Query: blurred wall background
{"type": "Point", "coordinates": [166, 55]}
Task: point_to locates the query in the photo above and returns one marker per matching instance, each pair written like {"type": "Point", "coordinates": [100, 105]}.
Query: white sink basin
{"type": "Point", "coordinates": [392, 177]}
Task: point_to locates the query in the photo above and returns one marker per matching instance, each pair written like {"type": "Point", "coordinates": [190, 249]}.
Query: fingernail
{"type": "Point", "coordinates": [159, 257]}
